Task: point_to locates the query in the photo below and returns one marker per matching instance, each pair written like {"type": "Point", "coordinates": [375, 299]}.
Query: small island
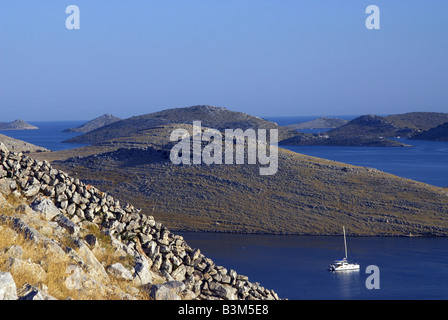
{"type": "Point", "coordinates": [17, 125]}
{"type": "Point", "coordinates": [94, 124]}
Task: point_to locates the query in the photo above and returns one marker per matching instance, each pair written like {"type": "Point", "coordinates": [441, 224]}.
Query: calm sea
{"type": "Point", "coordinates": [49, 135]}
{"type": "Point", "coordinates": [296, 267]}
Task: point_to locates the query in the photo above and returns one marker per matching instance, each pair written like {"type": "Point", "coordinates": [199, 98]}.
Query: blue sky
{"type": "Point", "coordinates": [263, 57]}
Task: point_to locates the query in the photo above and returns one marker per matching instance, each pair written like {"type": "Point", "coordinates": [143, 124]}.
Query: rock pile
{"type": "Point", "coordinates": [69, 202]}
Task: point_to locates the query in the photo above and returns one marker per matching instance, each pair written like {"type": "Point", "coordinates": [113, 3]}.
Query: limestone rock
{"type": "Point", "coordinates": [74, 280]}
{"type": "Point", "coordinates": [179, 273]}
{"type": "Point", "coordinates": [143, 274]}
{"type": "Point", "coordinates": [223, 290]}
{"type": "Point", "coordinates": [119, 271]}
{"type": "Point", "coordinates": [95, 268]}
{"type": "Point", "coordinates": [3, 149]}
{"type": "Point", "coordinates": [67, 224]}
{"type": "Point", "coordinates": [31, 191]}
{"type": "Point", "coordinates": [8, 289]}
{"type": "Point", "coordinates": [78, 280]}
{"type": "Point", "coordinates": [46, 208]}
{"type": "Point", "coordinates": [7, 185]}
{"type": "Point", "coordinates": [167, 291]}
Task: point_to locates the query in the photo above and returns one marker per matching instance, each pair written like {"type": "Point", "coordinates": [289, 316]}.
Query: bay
{"type": "Point", "coordinates": [296, 266]}
{"type": "Point", "coordinates": [425, 161]}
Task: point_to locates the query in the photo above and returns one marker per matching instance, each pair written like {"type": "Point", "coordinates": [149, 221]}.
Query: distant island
{"type": "Point", "coordinates": [373, 130]}
{"type": "Point", "coordinates": [320, 123]}
{"type": "Point", "coordinates": [96, 123]}
{"type": "Point", "coordinates": [439, 133]}
{"type": "Point", "coordinates": [327, 140]}
{"type": "Point", "coordinates": [17, 125]}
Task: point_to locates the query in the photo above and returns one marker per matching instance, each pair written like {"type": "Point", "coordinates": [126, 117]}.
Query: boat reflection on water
{"type": "Point", "coordinates": [348, 284]}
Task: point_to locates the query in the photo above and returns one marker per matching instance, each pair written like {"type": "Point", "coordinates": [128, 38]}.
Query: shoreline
{"type": "Point", "coordinates": [307, 234]}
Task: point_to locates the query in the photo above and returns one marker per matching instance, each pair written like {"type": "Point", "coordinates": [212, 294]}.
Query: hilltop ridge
{"type": "Point", "coordinates": [319, 123]}
{"type": "Point", "coordinates": [213, 117]}
{"type": "Point", "coordinates": [96, 123]}
{"type": "Point", "coordinates": [418, 121]}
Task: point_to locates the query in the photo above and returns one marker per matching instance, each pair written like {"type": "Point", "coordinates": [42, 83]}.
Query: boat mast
{"type": "Point", "coordinates": [345, 242]}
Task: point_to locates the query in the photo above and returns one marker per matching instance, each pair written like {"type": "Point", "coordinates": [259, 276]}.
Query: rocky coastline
{"type": "Point", "coordinates": [19, 145]}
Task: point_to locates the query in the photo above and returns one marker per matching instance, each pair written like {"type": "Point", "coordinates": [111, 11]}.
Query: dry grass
{"type": "Point", "coordinates": [105, 252]}
{"type": "Point", "coordinates": [55, 265]}
{"type": "Point", "coordinates": [13, 200]}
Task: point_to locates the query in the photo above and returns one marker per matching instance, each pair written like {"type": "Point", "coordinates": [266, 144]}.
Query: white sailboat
{"type": "Point", "coordinates": [343, 264]}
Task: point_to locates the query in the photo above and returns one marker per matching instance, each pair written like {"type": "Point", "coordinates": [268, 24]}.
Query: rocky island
{"type": "Point", "coordinates": [373, 130]}
{"type": "Point", "coordinates": [17, 125]}
{"type": "Point", "coordinates": [96, 123]}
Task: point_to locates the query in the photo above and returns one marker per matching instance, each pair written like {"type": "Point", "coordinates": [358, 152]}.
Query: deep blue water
{"type": "Point", "coordinates": [49, 135]}
{"type": "Point", "coordinates": [296, 266]}
{"type": "Point", "coordinates": [425, 161]}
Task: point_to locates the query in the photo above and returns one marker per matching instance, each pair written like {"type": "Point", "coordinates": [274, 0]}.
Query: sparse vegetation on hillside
{"type": "Point", "coordinates": [307, 195]}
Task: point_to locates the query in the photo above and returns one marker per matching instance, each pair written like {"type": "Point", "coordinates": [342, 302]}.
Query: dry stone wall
{"type": "Point", "coordinates": [167, 253]}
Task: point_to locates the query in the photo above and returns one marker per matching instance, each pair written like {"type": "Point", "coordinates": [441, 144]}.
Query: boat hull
{"type": "Point", "coordinates": [349, 267]}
